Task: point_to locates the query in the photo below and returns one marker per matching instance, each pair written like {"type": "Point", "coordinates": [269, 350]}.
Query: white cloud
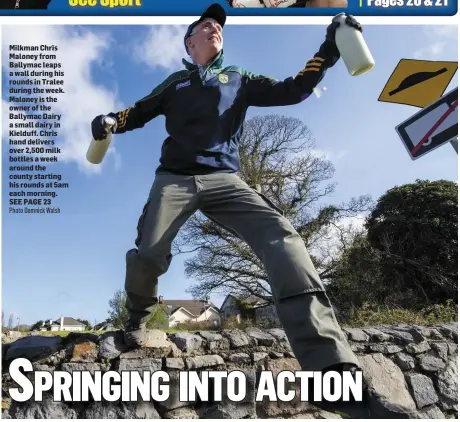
{"type": "Point", "coordinates": [441, 42]}
{"type": "Point", "coordinates": [163, 47]}
{"type": "Point", "coordinates": [79, 51]}
{"type": "Point", "coordinates": [333, 156]}
{"type": "Point", "coordinates": [332, 240]}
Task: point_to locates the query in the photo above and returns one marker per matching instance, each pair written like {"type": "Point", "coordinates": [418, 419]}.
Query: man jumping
{"type": "Point", "coordinates": [205, 106]}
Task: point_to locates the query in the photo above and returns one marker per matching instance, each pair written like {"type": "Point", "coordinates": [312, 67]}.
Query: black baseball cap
{"type": "Point", "coordinates": [214, 11]}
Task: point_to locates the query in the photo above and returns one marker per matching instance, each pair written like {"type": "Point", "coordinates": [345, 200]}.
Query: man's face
{"type": "Point", "coordinates": [206, 39]}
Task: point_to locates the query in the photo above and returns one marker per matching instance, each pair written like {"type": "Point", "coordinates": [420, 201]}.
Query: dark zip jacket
{"type": "Point", "coordinates": [205, 109]}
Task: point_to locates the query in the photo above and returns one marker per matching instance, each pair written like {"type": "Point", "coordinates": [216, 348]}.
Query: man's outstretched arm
{"type": "Point", "coordinates": [263, 91]}
{"type": "Point", "coordinates": [133, 117]}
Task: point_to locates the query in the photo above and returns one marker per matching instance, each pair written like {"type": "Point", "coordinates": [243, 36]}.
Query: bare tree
{"type": "Point", "coordinates": [278, 157]}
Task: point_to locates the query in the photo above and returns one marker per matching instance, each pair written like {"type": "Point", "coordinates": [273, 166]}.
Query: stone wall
{"type": "Point", "coordinates": [414, 366]}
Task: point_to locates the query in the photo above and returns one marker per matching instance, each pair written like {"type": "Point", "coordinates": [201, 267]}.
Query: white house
{"type": "Point", "coordinates": [180, 311]}
{"type": "Point", "coordinates": [63, 324]}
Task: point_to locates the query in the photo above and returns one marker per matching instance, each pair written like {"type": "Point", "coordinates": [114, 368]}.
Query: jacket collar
{"type": "Point", "coordinates": [216, 62]}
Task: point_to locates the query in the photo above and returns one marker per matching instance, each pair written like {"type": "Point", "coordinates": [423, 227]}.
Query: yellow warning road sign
{"type": "Point", "coordinates": [418, 82]}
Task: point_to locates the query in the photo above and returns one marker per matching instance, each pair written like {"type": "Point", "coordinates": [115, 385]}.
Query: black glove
{"type": "Point", "coordinates": [97, 126]}
{"type": "Point", "coordinates": [332, 28]}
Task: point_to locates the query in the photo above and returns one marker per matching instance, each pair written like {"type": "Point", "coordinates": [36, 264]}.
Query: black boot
{"type": "Point", "coordinates": [135, 334]}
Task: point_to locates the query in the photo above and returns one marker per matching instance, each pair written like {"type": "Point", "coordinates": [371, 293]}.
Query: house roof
{"type": "Point", "coordinates": [67, 322]}
{"type": "Point", "coordinates": [195, 307]}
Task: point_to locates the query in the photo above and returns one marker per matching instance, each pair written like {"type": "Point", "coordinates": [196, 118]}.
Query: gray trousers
{"type": "Point", "coordinates": [302, 305]}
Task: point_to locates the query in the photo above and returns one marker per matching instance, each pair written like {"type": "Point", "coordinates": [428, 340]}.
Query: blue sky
{"type": "Point", "coordinates": [72, 263]}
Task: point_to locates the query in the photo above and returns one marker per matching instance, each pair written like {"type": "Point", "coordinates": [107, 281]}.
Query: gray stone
{"type": "Point", "coordinates": [419, 337]}
{"type": "Point", "coordinates": [175, 363]}
{"type": "Point", "coordinates": [187, 342]}
{"type": "Point", "coordinates": [448, 380]}
{"type": "Point", "coordinates": [222, 344]}
{"type": "Point", "coordinates": [447, 405]}
{"type": "Point", "coordinates": [402, 336]}
{"type": "Point", "coordinates": [262, 338]}
{"type": "Point", "coordinates": [205, 361]}
{"type": "Point", "coordinates": [360, 348]}
{"type": "Point", "coordinates": [376, 335]}
{"type": "Point", "coordinates": [250, 377]}
{"type": "Point", "coordinates": [279, 334]}
{"type": "Point", "coordinates": [173, 401]}
{"type": "Point", "coordinates": [432, 412]}
{"type": "Point", "coordinates": [145, 410]}
{"type": "Point", "coordinates": [452, 348]}
{"type": "Point", "coordinates": [39, 367]}
{"type": "Point", "coordinates": [355, 334]}
{"type": "Point", "coordinates": [161, 349]}
{"type": "Point", "coordinates": [385, 348]}
{"type": "Point", "coordinates": [230, 410]}
{"type": "Point", "coordinates": [13, 335]}
{"type": "Point", "coordinates": [158, 345]}
{"type": "Point", "coordinates": [210, 335]}
{"type": "Point", "coordinates": [271, 410]}
{"type": "Point", "coordinates": [305, 416]}
{"type": "Point", "coordinates": [418, 348]}
{"type": "Point", "coordinates": [431, 333]}
{"type": "Point", "coordinates": [182, 413]}
{"type": "Point", "coordinates": [323, 414]}
{"type": "Point", "coordinates": [423, 390]}
{"type": "Point", "coordinates": [276, 355]}
{"type": "Point", "coordinates": [126, 410]}
{"type": "Point", "coordinates": [156, 335]}
{"type": "Point", "coordinates": [46, 409]}
{"type": "Point", "coordinates": [453, 326]}
{"type": "Point", "coordinates": [442, 350]}
{"type": "Point", "coordinates": [449, 330]}
{"type": "Point", "coordinates": [74, 366]}
{"type": "Point", "coordinates": [386, 379]}
{"type": "Point", "coordinates": [236, 337]}
{"type": "Point", "coordinates": [405, 362]}
{"type": "Point", "coordinates": [33, 347]}
{"type": "Point", "coordinates": [240, 358]}
{"type": "Point", "coordinates": [139, 364]}
{"type": "Point", "coordinates": [431, 363]}
{"type": "Point", "coordinates": [111, 345]}
{"type": "Point", "coordinates": [258, 356]}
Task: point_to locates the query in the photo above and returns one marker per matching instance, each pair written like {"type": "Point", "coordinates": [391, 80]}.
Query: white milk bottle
{"type": "Point", "coordinates": [352, 47]}
{"type": "Point", "coordinates": [98, 149]}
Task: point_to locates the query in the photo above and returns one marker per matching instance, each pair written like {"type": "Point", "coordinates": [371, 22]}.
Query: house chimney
{"type": "Point", "coordinates": [51, 321]}
{"type": "Point", "coordinates": [160, 299]}
{"type": "Point", "coordinates": [62, 324]}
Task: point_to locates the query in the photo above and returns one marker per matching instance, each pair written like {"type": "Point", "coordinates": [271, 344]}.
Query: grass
{"type": "Point", "coordinates": [435, 314]}
{"type": "Point", "coordinates": [60, 333]}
